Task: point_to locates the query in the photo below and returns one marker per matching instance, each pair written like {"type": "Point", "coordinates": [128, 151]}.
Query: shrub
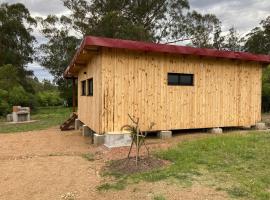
{"type": "Point", "coordinates": [4, 107]}
{"type": "Point", "coordinates": [49, 98]}
{"type": "Point", "coordinates": [18, 96]}
{"type": "Point", "coordinates": [3, 94]}
{"type": "Point", "coordinates": [33, 101]}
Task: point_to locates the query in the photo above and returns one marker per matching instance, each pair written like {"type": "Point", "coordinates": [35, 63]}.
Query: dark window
{"type": "Point", "coordinates": [90, 87]}
{"type": "Point", "coordinates": [83, 88]}
{"type": "Point", "coordinates": [180, 79]}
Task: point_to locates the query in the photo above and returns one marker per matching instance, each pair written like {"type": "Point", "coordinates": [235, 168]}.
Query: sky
{"type": "Point", "coordinates": [244, 15]}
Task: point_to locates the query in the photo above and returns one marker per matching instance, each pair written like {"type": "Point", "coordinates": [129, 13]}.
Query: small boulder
{"type": "Point", "coordinates": [215, 130]}
{"type": "Point", "coordinates": [260, 126]}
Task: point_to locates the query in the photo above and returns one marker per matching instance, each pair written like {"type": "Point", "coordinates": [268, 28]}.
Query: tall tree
{"type": "Point", "coordinates": [233, 41]}
{"type": "Point", "coordinates": [258, 40]}
{"type": "Point", "coordinates": [60, 47]}
{"type": "Point", "coordinates": [147, 20]}
{"type": "Point", "coordinates": [16, 39]}
{"type": "Point", "coordinates": [218, 39]}
{"type": "Point", "coordinates": [9, 77]}
{"type": "Point", "coordinates": [56, 54]}
{"type": "Point", "coordinates": [204, 30]}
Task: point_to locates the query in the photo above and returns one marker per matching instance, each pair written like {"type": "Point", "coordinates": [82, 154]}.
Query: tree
{"type": "Point", "coordinates": [137, 137]}
{"type": "Point", "coordinates": [4, 106]}
{"type": "Point", "coordinates": [18, 96]}
{"type": "Point", "coordinates": [11, 90]}
{"type": "Point", "coordinates": [204, 30]}
{"type": "Point", "coordinates": [48, 85]}
{"type": "Point", "coordinates": [16, 39]}
{"type": "Point", "coordinates": [49, 98]}
{"type": "Point", "coordinates": [145, 20]}
{"type": "Point", "coordinates": [266, 90]}
{"type": "Point", "coordinates": [218, 39]}
{"type": "Point", "coordinates": [60, 47]}
{"type": "Point", "coordinates": [56, 54]}
{"type": "Point", "coordinates": [9, 77]}
{"type": "Point", "coordinates": [233, 42]}
{"type": "Point", "coordinates": [258, 41]}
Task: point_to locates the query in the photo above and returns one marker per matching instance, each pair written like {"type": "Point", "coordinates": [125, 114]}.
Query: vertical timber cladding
{"type": "Point", "coordinates": [89, 107]}
{"type": "Point", "coordinates": [225, 92]}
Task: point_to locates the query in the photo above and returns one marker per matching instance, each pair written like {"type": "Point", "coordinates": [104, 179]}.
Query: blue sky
{"type": "Point", "coordinates": [242, 14]}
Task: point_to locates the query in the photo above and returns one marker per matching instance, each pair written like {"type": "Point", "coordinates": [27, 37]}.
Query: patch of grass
{"type": "Point", "coordinates": [46, 116]}
{"type": "Point", "coordinates": [89, 156]}
{"type": "Point", "coordinates": [159, 197]}
{"type": "Point", "coordinates": [237, 191]}
{"type": "Point", "coordinates": [119, 185]}
{"type": "Point", "coordinates": [235, 163]}
{"type": "Point", "coordinates": [233, 159]}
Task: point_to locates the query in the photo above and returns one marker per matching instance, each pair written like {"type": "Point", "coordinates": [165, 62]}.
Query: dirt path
{"type": "Point", "coordinates": [48, 165]}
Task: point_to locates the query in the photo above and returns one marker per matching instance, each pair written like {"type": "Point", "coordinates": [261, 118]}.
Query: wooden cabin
{"type": "Point", "coordinates": [176, 87]}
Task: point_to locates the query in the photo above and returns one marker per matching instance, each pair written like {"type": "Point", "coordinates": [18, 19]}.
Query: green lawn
{"type": "Point", "coordinates": [47, 117]}
{"type": "Point", "coordinates": [236, 163]}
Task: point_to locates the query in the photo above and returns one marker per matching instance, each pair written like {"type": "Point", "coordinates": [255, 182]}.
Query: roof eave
{"type": "Point", "coordinates": [94, 42]}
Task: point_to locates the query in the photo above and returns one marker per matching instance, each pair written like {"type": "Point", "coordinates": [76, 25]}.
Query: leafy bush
{"type": "Point", "coordinates": [33, 101]}
{"type": "Point", "coordinates": [3, 94]}
{"type": "Point", "coordinates": [4, 107]}
{"type": "Point", "coordinates": [266, 90]}
{"type": "Point", "coordinates": [49, 98]}
{"type": "Point", "coordinates": [18, 96]}
{"type": "Point", "coordinates": [32, 93]}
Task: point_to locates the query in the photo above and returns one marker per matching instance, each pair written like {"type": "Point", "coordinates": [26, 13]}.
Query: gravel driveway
{"type": "Point", "coordinates": [48, 164]}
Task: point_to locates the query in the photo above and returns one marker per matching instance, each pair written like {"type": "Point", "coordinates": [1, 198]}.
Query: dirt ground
{"type": "Point", "coordinates": [48, 165]}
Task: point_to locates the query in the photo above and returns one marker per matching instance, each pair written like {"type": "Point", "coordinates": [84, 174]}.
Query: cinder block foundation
{"type": "Point", "coordinates": [260, 126]}
{"type": "Point", "coordinates": [98, 139]}
{"type": "Point", "coordinates": [165, 134]}
{"type": "Point", "coordinates": [215, 130]}
{"type": "Point", "coordinates": [117, 139]}
{"type": "Point", "coordinates": [86, 131]}
{"type": "Point", "coordinates": [246, 127]}
{"type": "Point", "coordinates": [78, 124]}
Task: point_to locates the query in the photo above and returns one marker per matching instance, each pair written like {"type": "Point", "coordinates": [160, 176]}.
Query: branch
{"type": "Point", "coordinates": [180, 40]}
{"type": "Point", "coordinates": [133, 120]}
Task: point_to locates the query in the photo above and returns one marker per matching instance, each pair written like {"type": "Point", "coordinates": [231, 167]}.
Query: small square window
{"type": "Point", "coordinates": [180, 79]}
{"type": "Point", "coordinates": [90, 87]}
{"type": "Point", "coordinates": [83, 88]}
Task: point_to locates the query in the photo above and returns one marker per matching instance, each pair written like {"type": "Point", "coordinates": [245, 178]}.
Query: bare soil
{"type": "Point", "coordinates": [48, 164]}
{"type": "Point", "coordinates": [128, 165]}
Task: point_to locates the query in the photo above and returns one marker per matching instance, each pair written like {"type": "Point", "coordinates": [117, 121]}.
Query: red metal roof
{"type": "Point", "coordinates": [91, 41]}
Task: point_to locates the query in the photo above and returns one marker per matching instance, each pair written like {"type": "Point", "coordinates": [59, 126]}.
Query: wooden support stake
{"type": "Point", "coordinates": [73, 95]}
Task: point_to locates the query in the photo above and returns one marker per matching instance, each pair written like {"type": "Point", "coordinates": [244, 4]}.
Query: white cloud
{"type": "Point", "coordinates": [244, 15]}
{"type": "Point", "coordinates": [41, 7]}
{"type": "Point", "coordinates": [40, 72]}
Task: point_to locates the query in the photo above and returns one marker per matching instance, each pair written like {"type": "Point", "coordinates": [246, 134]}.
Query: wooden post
{"type": "Point", "coordinates": [66, 93]}
{"type": "Point", "coordinates": [73, 95]}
